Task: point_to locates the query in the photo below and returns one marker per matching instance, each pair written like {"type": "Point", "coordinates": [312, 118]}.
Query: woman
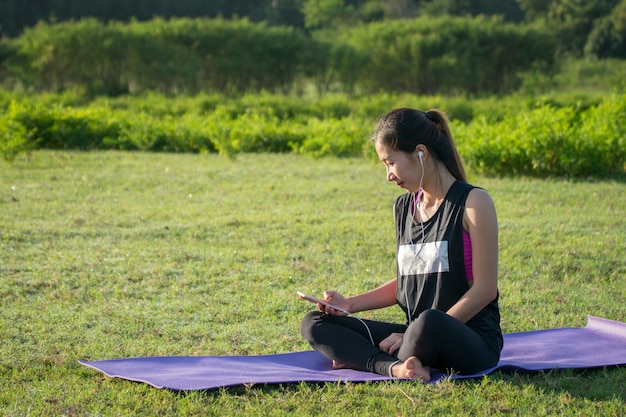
{"type": "Point", "coordinates": [447, 266]}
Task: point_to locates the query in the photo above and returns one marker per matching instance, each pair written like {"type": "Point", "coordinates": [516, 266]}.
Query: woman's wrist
{"type": "Point", "coordinates": [352, 305]}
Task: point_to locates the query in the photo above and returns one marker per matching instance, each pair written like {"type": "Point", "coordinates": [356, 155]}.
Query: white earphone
{"type": "Point", "coordinates": [420, 154]}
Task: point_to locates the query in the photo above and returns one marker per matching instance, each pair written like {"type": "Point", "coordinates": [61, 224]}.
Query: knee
{"type": "Point", "coordinates": [309, 324]}
{"type": "Point", "coordinates": [428, 322]}
{"type": "Point", "coordinates": [431, 316]}
{"type": "Point", "coordinates": [422, 337]}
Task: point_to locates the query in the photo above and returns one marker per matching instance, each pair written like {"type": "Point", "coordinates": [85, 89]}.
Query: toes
{"type": "Point", "coordinates": [338, 365]}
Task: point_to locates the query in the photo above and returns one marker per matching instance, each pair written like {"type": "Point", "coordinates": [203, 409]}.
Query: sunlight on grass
{"type": "Point", "coordinates": [109, 254]}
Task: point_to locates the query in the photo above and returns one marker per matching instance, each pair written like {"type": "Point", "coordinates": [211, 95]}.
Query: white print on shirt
{"type": "Point", "coordinates": [423, 258]}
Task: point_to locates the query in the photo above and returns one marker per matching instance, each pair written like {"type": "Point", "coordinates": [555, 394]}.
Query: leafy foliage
{"type": "Point", "coordinates": [550, 141]}
{"type": "Point", "coordinates": [424, 55]}
{"type": "Point", "coordinates": [574, 24]}
{"type": "Point", "coordinates": [608, 36]}
{"type": "Point", "coordinates": [494, 136]}
{"type": "Point", "coordinates": [448, 55]}
{"type": "Point", "coordinates": [166, 56]}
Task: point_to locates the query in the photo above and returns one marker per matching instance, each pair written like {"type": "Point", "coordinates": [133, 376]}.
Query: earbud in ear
{"type": "Point", "coordinates": [420, 154]}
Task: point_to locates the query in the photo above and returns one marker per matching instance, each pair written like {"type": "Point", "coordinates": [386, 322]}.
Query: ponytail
{"type": "Point", "coordinates": [449, 155]}
{"type": "Point", "coordinates": [403, 129]}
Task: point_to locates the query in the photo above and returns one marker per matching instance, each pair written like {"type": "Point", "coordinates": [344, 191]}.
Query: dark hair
{"type": "Point", "coordinates": [403, 129]}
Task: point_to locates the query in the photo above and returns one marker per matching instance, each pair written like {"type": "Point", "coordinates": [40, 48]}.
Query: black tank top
{"type": "Point", "coordinates": [430, 262]}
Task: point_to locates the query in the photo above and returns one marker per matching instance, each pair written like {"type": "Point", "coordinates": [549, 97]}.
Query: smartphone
{"type": "Point", "coordinates": [314, 300]}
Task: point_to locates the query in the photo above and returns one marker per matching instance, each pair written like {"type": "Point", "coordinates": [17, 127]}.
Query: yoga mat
{"type": "Point", "coordinates": [600, 343]}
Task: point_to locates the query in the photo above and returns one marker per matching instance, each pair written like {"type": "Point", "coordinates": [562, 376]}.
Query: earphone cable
{"type": "Point", "coordinates": [415, 207]}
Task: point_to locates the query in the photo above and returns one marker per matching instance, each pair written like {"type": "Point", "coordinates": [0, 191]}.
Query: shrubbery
{"type": "Point", "coordinates": [448, 55]}
{"type": "Point", "coordinates": [568, 141]}
{"type": "Point", "coordinates": [424, 55]}
{"type": "Point", "coordinates": [506, 136]}
{"type": "Point", "coordinates": [166, 56]}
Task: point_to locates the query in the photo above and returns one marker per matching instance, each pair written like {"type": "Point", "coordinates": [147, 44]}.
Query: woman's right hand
{"type": "Point", "coordinates": [392, 343]}
{"type": "Point", "coordinates": [336, 299]}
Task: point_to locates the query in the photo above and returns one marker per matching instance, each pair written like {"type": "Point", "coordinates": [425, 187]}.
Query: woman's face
{"type": "Point", "coordinates": [402, 168]}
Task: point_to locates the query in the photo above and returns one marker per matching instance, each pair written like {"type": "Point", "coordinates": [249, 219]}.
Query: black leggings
{"type": "Point", "coordinates": [435, 338]}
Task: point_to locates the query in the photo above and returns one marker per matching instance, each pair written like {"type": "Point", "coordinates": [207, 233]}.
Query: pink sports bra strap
{"type": "Point", "coordinates": [467, 256]}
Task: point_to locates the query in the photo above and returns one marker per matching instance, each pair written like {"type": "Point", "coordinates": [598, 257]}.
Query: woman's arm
{"type": "Point", "coordinates": [380, 297]}
{"type": "Point", "coordinates": [383, 296]}
{"type": "Point", "coordinates": [481, 222]}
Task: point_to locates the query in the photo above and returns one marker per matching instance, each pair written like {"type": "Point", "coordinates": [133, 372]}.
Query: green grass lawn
{"type": "Point", "coordinates": [107, 255]}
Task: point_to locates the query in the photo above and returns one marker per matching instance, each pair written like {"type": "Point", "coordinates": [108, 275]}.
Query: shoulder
{"type": "Point", "coordinates": [479, 209]}
{"type": "Point", "coordinates": [469, 196]}
{"type": "Point", "coordinates": [478, 198]}
{"type": "Point", "coordinates": [403, 199]}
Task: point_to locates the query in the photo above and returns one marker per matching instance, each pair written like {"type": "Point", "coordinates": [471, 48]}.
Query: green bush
{"type": "Point", "coordinates": [462, 55]}
{"type": "Point", "coordinates": [567, 141]}
{"type": "Point", "coordinates": [168, 133]}
{"type": "Point", "coordinates": [603, 130]}
{"type": "Point", "coordinates": [165, 56]}
{"type": "Point", "coordinates": [502, 137]}
{"type": "Point", "coordinates": [448, 55]}
{"type": "Point", "coordinates": [59, 127]}
{"type": "Point", "coordinates": [234, 55]}
{"type": "Point", "coordinates": [13, 137]}
{"type": "Point", "coordinates": [335, 137]}
{"type": "Point", "coordinates": [85, 53]}
{"type": "Point", "coordinates": [253, 132]}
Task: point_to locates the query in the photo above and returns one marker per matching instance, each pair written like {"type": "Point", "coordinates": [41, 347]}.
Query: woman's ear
{"type": "Point", "coordinates": [421, 152]}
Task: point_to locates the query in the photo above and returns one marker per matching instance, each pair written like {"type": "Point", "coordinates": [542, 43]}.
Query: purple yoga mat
{"type": "Point", "coordinates": [601, 343]}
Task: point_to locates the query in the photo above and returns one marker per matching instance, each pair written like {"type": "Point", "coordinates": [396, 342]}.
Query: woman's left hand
{"type": "Point", "coordinates": [391, 343]}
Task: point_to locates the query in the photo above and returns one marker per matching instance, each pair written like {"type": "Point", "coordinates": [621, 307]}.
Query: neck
{"type": "Point", "coordinates": [433, 193]}
{"type": "Point", "coordinates": [438, 187]}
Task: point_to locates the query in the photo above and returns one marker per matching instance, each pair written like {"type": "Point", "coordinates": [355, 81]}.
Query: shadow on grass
{"type": "Point", "coordinates": [595, 384]}
{"type": "Point", "coordinates": [598, 384]}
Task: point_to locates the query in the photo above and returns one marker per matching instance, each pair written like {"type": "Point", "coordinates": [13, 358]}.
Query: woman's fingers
{"type": "Point", "coordinates": [391, 343]}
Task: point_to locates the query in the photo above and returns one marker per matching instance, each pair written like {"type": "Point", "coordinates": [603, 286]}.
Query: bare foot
{"type": "Point", "coordinates": [412, 368]}
{"type": "Point", "coordinates": [339, 365]}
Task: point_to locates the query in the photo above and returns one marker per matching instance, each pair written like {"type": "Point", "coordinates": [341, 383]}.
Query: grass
{"type": "Point", "coordinates": [108, 254]}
